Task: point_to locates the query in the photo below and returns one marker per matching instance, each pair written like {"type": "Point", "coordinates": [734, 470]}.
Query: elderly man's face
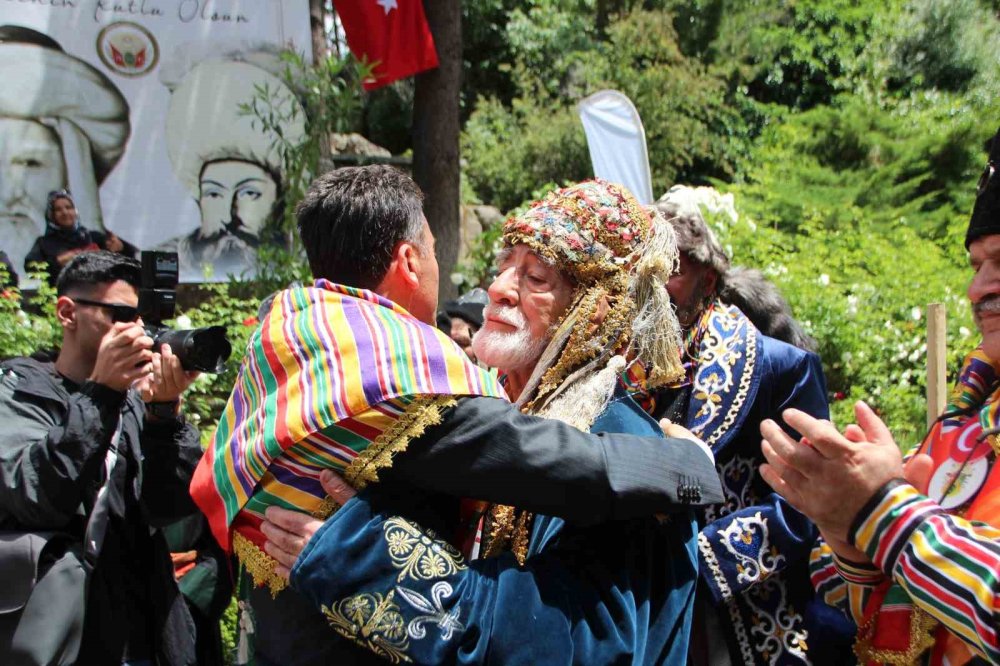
{"type": "Point", "coordinates": [689, 288]}
{"type": "Point", "coordinates": [235, 190]}
{"type": "Point", "coordinates": [984, 291]}
{"type": "Point", "coordinates": [527, 298]}
{"type": "Point", "coordinates": [31, 166]}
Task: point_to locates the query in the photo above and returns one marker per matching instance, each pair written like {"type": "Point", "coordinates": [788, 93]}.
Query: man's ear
{"type": "Point", "coordinates": [404, 271]}
{"type": "Point", "coordinates": [408, 257]}
{"type": "Point", "coordinates": [66, 312]}
{"type": "Point", "coordinates": [710, 281]}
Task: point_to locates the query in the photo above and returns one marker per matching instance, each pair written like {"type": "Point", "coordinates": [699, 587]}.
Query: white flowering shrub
{"type": "Point", "coordinates": [862, 292]}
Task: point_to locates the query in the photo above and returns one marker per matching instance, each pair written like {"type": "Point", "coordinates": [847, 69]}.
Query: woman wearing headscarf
{"type": "Point", "coordinates": [65, 237]}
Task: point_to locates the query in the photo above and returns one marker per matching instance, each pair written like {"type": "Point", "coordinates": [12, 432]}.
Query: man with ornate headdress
{"type": "Point", "coordinates": [63, 124]}
{"type": "Point", "coordinates": [755, 604]}
{"type": "Point", "coordinates": [579, 296]}
{"type": "Point", "coordinates": [344, 378]}
{"type": "Point", "coordinates": [230, 164]}
{"type": "Point", "coordinates": [913, 551]}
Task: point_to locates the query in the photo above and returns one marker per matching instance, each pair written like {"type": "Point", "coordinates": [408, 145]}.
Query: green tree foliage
{"type": "Point", "coordinates": [856, 161]}
{"type": "Point", "coordinates": [694, 134]}
{"type": "Point", "coordinates": [796, 53]}
{"type": "Point", "coordinates": [862, 294]}
{"type": "Point", "coordinates": [509, 153]}
{"type": "Point", "coordinates": [942, 44]}
{"type": "Point", "coordinates": [693, 131]}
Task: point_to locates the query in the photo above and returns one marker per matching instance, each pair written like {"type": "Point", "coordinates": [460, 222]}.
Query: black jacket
{"type": "Point", "coordinates": [53, 445]}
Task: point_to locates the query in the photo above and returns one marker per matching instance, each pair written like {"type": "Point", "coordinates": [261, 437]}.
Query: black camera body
{"type": "Point", "coordinates": [203, 349]}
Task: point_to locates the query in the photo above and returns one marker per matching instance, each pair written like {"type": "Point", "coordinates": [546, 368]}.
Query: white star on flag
{"type": "Point", "coordinates": [387, 5]}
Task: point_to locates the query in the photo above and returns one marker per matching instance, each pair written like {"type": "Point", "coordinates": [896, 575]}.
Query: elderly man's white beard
{"type": "Point", "coordinates": [19, 234]}
{"type": "Point", "coordinates": [507, 351]}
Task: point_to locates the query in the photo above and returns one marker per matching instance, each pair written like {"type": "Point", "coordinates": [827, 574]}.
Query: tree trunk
{"type": "Point", "coordinates": [435, 135]}
{"type": "Point", "coordinates": [317, 24]}
{"type": "Point", "coordinates": [320, 52]}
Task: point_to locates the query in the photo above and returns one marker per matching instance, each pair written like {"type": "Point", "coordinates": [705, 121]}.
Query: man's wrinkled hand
{"type": "Point", "coordinates": [338, 489]}
{"type": "Point", "coordinates": [124, 357]}
{"type": "Point", "coordinates": [829, 476]}
{"type": "Point", "coordinates": [288, 532]}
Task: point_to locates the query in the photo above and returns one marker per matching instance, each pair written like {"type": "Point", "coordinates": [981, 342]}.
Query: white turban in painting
{"type": "Point", "coordinates": [42, 83]}
{"type": "Point", "coordinates": [205, 122]}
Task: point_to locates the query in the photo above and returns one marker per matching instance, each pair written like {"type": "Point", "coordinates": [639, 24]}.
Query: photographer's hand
{"type": "Point", "coordinates": [170, 380]}
{"type": "Point", "coordinates": [124, 357]}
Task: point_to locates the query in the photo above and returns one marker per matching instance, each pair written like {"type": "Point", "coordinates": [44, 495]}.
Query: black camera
{"type": "Point", "coordinates": [204, 349]}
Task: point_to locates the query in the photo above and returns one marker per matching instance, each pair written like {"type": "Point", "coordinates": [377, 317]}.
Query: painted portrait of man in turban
{"type": "Point", "coordinates": [63, 124]}
{"type": "Point", "coordinates": [228, 163]}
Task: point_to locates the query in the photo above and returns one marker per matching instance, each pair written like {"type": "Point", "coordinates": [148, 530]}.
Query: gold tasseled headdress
{"type": "Point", "coordinates": [600, 235]}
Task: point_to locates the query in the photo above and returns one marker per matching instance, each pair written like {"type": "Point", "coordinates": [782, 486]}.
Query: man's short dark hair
{"type": "Point", "coordinates": [92, 268]}
{"type": "Point", "coordinates": [351, 220]}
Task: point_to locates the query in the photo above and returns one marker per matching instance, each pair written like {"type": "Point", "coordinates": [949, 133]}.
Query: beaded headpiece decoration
{"type": "Point", "coordinates": [602, 238]}
{"type": "Point", "coordinates": [614, 250]}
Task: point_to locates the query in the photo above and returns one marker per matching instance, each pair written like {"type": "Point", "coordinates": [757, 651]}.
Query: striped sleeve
{"type": "Point", "coordinates": [948, 566]}
{"type": "Point", "coordinates": [842, 584]}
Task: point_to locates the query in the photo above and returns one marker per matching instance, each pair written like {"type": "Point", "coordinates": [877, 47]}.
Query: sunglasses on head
{"type": "Point", "coordinates": [119, 313]}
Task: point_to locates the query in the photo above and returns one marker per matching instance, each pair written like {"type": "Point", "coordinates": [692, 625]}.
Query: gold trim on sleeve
{"type": "Point", "coordinates": [422, 413]}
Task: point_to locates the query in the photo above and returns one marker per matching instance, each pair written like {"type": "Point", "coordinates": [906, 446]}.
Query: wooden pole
{"type": "Point", "coordinates": [937, 381]}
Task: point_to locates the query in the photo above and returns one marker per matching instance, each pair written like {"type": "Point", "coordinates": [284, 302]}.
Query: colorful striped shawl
{"type": "Point", "coordinates": [325, 355]}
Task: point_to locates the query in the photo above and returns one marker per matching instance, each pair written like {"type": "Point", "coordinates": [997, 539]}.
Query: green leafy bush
{"type": "Point", "coordinates": [915, 161]}
{"type": "Point", "coordinates": [509, 153]}
{"type": "Point", "coordinates": [861, 291]}
{"type": "Point", "coordinates": [942, 44]}
{"type": "Point", "coordinates": [28, 326]}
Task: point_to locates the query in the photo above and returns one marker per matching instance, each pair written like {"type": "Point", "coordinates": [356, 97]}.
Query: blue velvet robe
{"type": "Point", "coordinates": [617, 593]}
{"type": "Point", "coordinates": [754, 548]}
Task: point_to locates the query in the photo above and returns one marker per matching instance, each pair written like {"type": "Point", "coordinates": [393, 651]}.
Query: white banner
{"type": "Point", "coordinates": [133, 105]}
{"type": "Point", "coordinates": [617, 142]}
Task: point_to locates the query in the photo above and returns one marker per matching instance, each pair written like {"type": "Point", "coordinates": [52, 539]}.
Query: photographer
{"type": "Point", "coordinates": [107, 402]}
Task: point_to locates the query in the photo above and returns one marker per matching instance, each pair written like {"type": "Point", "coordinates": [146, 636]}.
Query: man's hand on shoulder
{"type": "Point", "coordinates": [124, 357]}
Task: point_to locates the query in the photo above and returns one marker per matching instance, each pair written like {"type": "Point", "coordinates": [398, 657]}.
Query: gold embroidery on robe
{"type": "Point", "coordinates": [372, 621]}
{"type": "Point", "coordinates": [418, 553]}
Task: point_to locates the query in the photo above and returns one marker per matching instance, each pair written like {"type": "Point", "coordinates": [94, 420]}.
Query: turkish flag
{"type": "Point", "coordinates": [390, 34]}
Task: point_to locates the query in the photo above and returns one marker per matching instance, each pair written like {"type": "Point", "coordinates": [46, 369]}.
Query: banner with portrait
{"type": "Point", "coordinates": [134, 107]}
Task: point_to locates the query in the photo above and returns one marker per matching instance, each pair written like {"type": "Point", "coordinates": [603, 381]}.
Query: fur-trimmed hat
{"type": "Point", "coordinates": [694, 237]}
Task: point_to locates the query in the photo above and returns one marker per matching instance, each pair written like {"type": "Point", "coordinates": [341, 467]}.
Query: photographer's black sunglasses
{"type": "Point", "coordinates": [119, 313]}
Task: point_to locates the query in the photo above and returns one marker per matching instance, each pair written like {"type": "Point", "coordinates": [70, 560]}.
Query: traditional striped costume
{"type": "Point", "coordinates": [335, 378]}
{"type": "Point", "coordinates": [934, 594]}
